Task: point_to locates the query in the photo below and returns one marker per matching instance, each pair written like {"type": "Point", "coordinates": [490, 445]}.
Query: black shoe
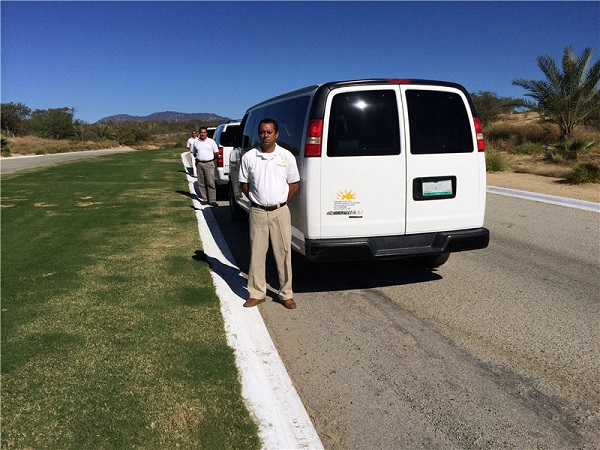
{"type": "Point", "coordinates": [203, 202]}
{"type": "Point", "coordinates": [215, 204]}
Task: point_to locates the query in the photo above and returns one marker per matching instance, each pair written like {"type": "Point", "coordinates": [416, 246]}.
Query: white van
{"type": "Point", "coordinates": [224, 136]}
{"type": "Point", "coordinates": [389, 169]}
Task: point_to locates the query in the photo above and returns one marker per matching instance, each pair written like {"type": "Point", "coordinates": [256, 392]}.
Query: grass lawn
{"type": "Point", "coordinates": [112, 335]}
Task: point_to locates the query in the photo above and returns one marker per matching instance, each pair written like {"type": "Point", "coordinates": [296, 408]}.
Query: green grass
{"type": "Point", "coordinates": [112, 335]}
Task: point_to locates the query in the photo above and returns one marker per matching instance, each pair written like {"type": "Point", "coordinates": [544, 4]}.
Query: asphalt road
{"type": "Point", "coordinates": [11, 164]}
{"type": "Point", "coordinates": [499, 348]}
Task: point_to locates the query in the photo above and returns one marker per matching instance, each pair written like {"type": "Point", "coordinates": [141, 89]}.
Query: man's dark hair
{"type": "Point", "coordinates": [203, 128]}
{"type": "Point", "coordinates": [269, 120]}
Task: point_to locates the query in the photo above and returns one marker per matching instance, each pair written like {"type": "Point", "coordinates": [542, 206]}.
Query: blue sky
{"type": "Point", "coordinates": [107, 58]}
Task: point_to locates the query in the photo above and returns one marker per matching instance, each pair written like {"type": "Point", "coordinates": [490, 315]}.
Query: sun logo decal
{"type": "Point", "coordinates": [346, 195]}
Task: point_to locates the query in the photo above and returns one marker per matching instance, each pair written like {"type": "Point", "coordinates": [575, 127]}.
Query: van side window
{"type": "Point", "coordinates": [249, 130]}
{"type": "Point", "coordinates": [439, 123]}
{"type": "Point", "coordinates": [255, 117]}
{"type": "Point", "coordinates": [364, 123]}
{"type": "Point", "coordinates": [290, 116]}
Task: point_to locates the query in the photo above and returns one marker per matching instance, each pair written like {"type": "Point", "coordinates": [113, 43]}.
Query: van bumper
{"type": "Point", "coordinates": [396, 247]}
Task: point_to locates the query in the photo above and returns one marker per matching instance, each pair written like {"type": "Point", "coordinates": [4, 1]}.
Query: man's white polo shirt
{"type": "Point", "coordinates": [269, 175]}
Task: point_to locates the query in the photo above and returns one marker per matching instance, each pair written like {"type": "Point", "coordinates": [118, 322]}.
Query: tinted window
{"type": "Point", "coordinates": [438, 123]}
{"type": "Point", "coordinates": [249, 130]}
{"type": "Point", "coordinates": [256, 116]}
{"type": "Point", "coordinates": [364, 123]}
{"type": "Point", "coordinates": [290, 116]}
{"type": "Point", "coordinates": [227, 137]}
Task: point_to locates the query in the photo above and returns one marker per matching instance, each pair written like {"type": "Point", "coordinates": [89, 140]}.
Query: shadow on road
{"type": "Point", "coordinates": [308, 276]}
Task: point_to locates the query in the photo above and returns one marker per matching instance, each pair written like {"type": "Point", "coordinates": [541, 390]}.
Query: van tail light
{"type": "Point", "coordinates": [220, 157]}
{"type": "Point", "coordinates": [314, 135]}
{"type": "Point", "coordinates": [479, 134]}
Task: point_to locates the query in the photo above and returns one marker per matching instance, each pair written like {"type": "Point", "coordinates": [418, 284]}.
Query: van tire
{"type": "Point", "coordinates": [237, 214]}
{"type": "Point", "coordinates": [431, 262]}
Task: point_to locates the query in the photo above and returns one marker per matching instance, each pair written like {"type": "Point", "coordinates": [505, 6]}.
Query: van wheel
{"type": "Point", "coordinates": [431, 262]}
{"type": "Point", "coordinates": [237, 214]}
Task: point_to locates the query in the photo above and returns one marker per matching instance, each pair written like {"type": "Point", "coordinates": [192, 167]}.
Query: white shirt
{"type": "Point", "coordinates": [268, 175]}
{"type": "Point", "coordinates": [190, 144]}
{"type": "Point", "coordinates": [204, 150]}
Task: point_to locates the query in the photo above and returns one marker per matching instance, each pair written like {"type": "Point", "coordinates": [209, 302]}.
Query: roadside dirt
{"type": "Point", "coordinates": [544, 185]}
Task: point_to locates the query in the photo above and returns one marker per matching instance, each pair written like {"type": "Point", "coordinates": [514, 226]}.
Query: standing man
{"type": "Point", "coordinates": [269, 177]}
{"type": "Point", "coordinates": [190, 146]}
{"type": "Point", "coordinates": [205, 151]}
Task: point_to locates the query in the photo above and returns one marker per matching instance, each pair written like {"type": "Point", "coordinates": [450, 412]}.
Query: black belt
{"type": "Point", "coordinates": [210, 160]}
{"type": "Point", "coordinates": [268, 208]}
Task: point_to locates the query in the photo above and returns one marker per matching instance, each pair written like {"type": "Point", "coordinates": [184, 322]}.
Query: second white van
{"type": "Point", "coordinates": [389, 168]}
{"type": "Point", "coordinates": [224, 137]}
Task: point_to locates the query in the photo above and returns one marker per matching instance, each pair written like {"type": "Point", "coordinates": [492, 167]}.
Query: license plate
{"type": "Point", "coordinates": [434, 188]}
{"type": "Point", "coordinates": [437, 188]}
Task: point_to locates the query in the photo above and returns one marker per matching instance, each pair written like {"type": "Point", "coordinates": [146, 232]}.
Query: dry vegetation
{"type": "Point", "coordinates": [525, 143]}
{"type": "Point", "coordinates": [31, 145]}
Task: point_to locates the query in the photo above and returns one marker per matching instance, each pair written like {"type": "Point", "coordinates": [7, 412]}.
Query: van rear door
{"type": "Point", "coordinates": [363, 166]}
{"type": "Point", "coordinates": [445, 171]}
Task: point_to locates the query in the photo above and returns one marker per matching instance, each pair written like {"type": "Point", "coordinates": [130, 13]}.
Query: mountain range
{"type": "Point", "coordinates": [165, 116]}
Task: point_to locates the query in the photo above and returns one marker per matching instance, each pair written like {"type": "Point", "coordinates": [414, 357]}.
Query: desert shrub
{"type": "Point", "coordinates": [181, 140]}
{"type": "Point", "coordinates": [131, 134]}
{"type": "Point", "coordinates": [494, 162]}
{"type": "Point", "coordinates": [568, 150]}
{"type": "Point", "coordinates": [30, 144]}
{"type": "Point", "coordinates": [535, 132]}
{"type": "Point", "coordinates": [499, 132]}
{"type": "Point", "coordinates": [553, 155]}
{"type": "Point", "coordinates": [4, 145]}
{"type": "Point", "coordinates": [584, 173]}
{"type": "Point", "coordinates": [529, 148]}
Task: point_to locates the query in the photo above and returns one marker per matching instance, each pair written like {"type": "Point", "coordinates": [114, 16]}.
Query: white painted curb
{"type": "Point", "coordinates": [543, 198]}
{"type": "Point", "coordinates": [267, 389]}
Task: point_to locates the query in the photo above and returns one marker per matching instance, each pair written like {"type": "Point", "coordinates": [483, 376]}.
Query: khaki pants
{"type": "Point", "coordinates": [206, 180]}
{"type": "Point", "coordinates": [275, 226]}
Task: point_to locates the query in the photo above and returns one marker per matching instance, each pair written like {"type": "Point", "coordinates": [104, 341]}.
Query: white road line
{"type": "Point", "coordinates": [266, 386]}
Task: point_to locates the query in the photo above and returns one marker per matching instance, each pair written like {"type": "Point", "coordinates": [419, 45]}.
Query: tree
{"type": "Point", "coordinates": [13, 115]}
{"type": "Point", "coordinates": [53, 123]}
{"type": "Point", "coordinates": [80, 129]}
{"type": "Point", "coordinates": [489, 106]}
{"type": "Point", "coordinates": [103, 131]}
{"type": "Point", "coordinates": [569, 97]}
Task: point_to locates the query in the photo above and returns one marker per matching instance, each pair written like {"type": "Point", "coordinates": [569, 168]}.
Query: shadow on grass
{"type": "Point", "coordinates": [231, 275]}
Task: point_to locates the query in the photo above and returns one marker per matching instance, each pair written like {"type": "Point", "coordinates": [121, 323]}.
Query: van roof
{"type": "Point", "coordinates": [326, 87]}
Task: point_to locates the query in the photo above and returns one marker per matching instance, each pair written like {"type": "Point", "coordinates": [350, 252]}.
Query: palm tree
{"type": "Point", "coordinates": [569, 97]}
{"type": "Point", "coordinates": [80, 129]}
{"type": "Point", "coordinates": [103, 131]}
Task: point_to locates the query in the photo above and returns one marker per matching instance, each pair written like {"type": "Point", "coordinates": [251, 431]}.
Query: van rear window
{"type": "Point", "coordinates": [227, 137]}
{"type": "Point", "coordinates": [439, 123]}
{"type": "Point", "coordinates": [364, 123]}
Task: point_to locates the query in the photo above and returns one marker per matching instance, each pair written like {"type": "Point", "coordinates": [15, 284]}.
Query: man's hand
{"type": "Point", "coordinates": [244, 188]}
{"type": "Point", "coordinates": [292, 191]}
